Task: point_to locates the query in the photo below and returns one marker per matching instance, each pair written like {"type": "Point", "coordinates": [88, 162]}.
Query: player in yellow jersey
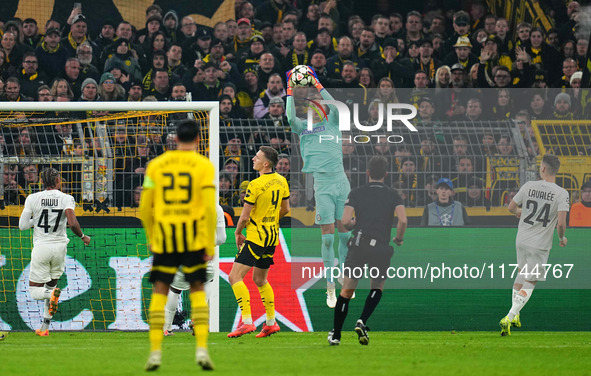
{"type": "Point", "coordinates": [178, 211]}
{"type": "Point", "coordinates": [266, 201]}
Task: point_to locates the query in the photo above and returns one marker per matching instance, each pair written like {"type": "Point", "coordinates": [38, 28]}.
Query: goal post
{"type": "Point", "coordinates": [15, 116]}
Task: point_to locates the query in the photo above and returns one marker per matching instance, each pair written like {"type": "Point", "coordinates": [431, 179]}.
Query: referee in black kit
{"type": "Point", "coordinates": [374, 205]}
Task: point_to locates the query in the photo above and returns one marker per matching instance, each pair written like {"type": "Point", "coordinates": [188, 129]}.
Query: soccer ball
{"type": "Point", "coordinates": [300, 76]}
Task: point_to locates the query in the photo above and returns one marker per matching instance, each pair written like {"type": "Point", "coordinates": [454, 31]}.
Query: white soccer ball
{"type": "Point", "coordinates": [300, 76]}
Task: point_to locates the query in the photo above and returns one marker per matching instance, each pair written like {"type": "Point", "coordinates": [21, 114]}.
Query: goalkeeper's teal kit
{"type": "Point", "coordinates": [323, 157]}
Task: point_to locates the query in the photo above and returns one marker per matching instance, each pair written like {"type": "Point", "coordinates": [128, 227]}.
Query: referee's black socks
{"type": "Point", "coordinates": [372, 301]}
{"type": "Point", "coordinates": [340, 313]}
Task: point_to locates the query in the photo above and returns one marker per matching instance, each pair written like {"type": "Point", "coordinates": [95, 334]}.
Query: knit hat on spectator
{"type": "Point", "coordinates": [391, 42]}
{"type": "Point", "coordinates": [562, 96]}
{"type": "Point", "coordinates": [229, 84]}
{"type": "Point", "coordinates": [252, 70]}
{"type": "Point", "coordinates": [577, 75]}
{"type": "Point", "coordinates": [109, 22]}
{"type": "Point", "coordinates": [225, 96]}
{"type": "Point", "coordinates": [586, 185]}
{"type": "Point", "coordinates": [107, 76]}
{"type": "Point", "coordinates": [425, 41]}
{"type": "Point", "coordinates": [87, 82]}
{"type": "Point", "coordinates": [476, 181]}
{"type": "Point", "coordinates": [79, 18]}
{"type": "Point", "coordinates": [215, 42]}
{"type": "Point", "coordinates": [493, 38]}
{"type": "Point", "coordinates": [257, 37]}
{"type": "Point", "coordinates": [277, 100]}
{"type": "Point", "coordinates": [112, 64]}
{"type": "Point", "coordinates": [318, 51]}
{"type": "Point", "coordinates": [463, 42]}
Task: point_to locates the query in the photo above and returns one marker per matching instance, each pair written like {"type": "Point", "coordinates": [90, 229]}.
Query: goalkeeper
{"type": "Point", "coordinates": [180, 283]}
{"type": "Point", "coordinates": [331, 186]}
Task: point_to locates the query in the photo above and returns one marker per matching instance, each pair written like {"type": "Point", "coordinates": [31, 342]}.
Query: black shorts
{"type": "Point", "coordinates": [376, 256]}
{"type": "Point", "coordinates": [165, 265]}
{"type": "Point", "coordinates": [254, 255]}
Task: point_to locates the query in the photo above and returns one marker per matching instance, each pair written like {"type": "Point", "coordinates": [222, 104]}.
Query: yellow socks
{"type": "Point", "coordinates": [200, 317]}
{"type": "Point", "coordinates": [268, 298]}
{"type": "Point", "coordinates": [243, 299]}
{"type": "Point", "coordinates": [156, 311]}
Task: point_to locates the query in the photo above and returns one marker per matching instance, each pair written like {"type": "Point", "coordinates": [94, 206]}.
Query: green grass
{"type": "Point", "coordinates": [400, 353]}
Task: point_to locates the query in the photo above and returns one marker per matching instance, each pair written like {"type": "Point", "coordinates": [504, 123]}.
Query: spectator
{"type": "Point", "coordinates": [109, 90]}
{"type": "Point", "coordinates": [323, 42]}
{"type": "Point", "coordinates": [71, 73]}
{"type": "Point", "coordinates": [367, 49]}
{"type": "Point", "coordinates": [562, 107]}
{"type": "Point", "coordinates": [298, 55]}
{"type": "Point", "coordinates": [461, 26]}
{"type": "Point", "coordinates": [569, 67]}
{"type": "Point", "coordinates": [283, 168]}
{"type": "Point", "coordinates": [89, 91]}
{"type": "Point", "coordinates": [171, 26]}
{"type": "Point", "coordinates": [461, 54]}
{"type": "Point", "coordinates": [12, 91]}
{"type": "Point", "coordinates": [248, 58]}
{"type": "Point", "coordinates": [310, 23]}
{"type": "Point", "coordinates": [444, 211]}
{"type": "Point", "coordinates": [277, 113]}
{"type": "Point", "coordinates": [123, 56]}
{"type": "Point", "coordinates": [250, 92]}
{"type": "Point", "coordinates": [30, 78]}
{"type": "Point", "coordinates": [382, 29]}
{"type": "Point", "coordinates": [501, 31]}
{"type": "Point", "coordinates": [580, 212]}
{"type": "Point", "coordinates": [443, 77]}
{"type": "Point", "coordinates": [208, 89]}
{"type": "Point", "coordinates": [161, 90]}
{"type": "Point", "coordinates": [27, 144]}
{"type": "Point", "coordinates": [31, 33]}
{"type": "Point", "coordinates": [268, 65]}
{"type": "Point", "coordinates": [61, 88]}
{"type": "Point", "coordinates": [503, 108]}
{"type": "Point", "coordinates": [391, 65]}
{"type": "Point", "coordinates": [44, 94]}
{"type": "Point", "coordinates": [77, 35]}
{"type": "Point", "coordinates": [408, 180]}
{"type": "Point", "coordinates": [242, 38]}
{"type": "Point", "coordinates": [366, 78]}
{"type": "Point", "coordinates": [386, 92]}
{"type": "Point", "coordinates": [544, 56]}
{"type": "Point", "coordinates": [426, 62]}
{"type": "Point", "coordinates": [85, 57]}
{"type": "Point", "coordinates": [13, 192]}
{"type": "Point", "coordinates": [104, 39]}
{"type": "Point", "coordinates": [475, 194]}
{"type": "Point", "coordinates": [227, 196]}
{"type": "Point", "coordinates": [537, 106]}
{"type": "Point", "coordinates": [273, 10]}
{"type": "Point", "coordinates": [31, 179]}
{"type": "Point", "coordinates": [228, 71]}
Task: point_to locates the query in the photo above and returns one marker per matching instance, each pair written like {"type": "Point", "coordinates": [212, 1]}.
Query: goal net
{"type": "Point", "coordinates": [101, 150]}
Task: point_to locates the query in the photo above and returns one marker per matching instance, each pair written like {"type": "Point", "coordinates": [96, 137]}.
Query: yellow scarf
{"type": "Point", "coordinates": [46, 49]}
{"type": "Point", "coordinates": [32, 77]}
{"type": "Point", "coordinates": [295, 60]}
{"type": "Point", "coordinates": [431, 69]}
{"type": "Point", "coordinates": [73, 42]}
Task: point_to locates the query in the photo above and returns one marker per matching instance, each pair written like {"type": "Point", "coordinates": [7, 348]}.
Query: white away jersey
{"type": "Point", "coordinates": [540, 203]}
{"type": "Point", "coordinates": [49, 218]}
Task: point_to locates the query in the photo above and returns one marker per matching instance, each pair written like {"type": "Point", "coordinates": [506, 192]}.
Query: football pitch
{"type": "Point", "coordinates": [402, 353]}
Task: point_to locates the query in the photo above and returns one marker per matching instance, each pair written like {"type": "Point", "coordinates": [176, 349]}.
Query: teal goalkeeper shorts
{"type": "Point", "coordinates": [330, 201]}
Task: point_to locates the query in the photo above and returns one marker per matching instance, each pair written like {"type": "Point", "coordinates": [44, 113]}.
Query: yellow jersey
{"type": "Point", "coordinates": [265, 193]}
{"type": "Point", "coordinates": [180, 217]}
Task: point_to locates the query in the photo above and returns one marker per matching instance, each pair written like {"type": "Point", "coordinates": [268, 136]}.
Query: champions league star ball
{"type": "Point", "coordinates": [300, 76]}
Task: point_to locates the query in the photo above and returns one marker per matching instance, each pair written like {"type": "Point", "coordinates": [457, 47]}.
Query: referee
{"type": "Point", "coordinates": [374, 205]}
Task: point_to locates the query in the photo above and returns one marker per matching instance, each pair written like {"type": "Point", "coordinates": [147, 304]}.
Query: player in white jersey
{"type": "Point", "coordinates": [46, 212]}
{"type": "Point", "coordinates": [544, 206]}
{"type": "Point", "coordinates": [180, 284]}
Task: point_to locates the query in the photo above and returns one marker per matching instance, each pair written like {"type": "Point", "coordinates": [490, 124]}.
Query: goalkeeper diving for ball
{"type": "Point", "coordinates": [323, 157]}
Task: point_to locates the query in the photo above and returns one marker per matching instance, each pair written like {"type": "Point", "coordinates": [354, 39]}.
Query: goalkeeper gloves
{"type": "Point", "coordinates": [289, 87]}
{"type": "Point", "coordinates": [315, 80]}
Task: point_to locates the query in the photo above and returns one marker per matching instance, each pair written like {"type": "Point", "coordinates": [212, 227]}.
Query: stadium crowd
{"type": "Point", "coordinates": [455, 66]}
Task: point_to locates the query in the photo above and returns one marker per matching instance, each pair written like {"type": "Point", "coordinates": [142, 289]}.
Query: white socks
{"type": "Point", "coordinates": [40, 293]}
{"type": "Point", "coordinates": [520, 299]}
{"type": "Point", "coordinates": [172, 303]}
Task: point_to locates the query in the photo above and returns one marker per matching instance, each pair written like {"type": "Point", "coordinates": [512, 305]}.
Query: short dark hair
{"type": "Point", "coordinates": [271, 154]}
{"type": "Point", "coordinates": [49, 177]}
{"type": "Point", "coordinates": [552, 162]}
{"type": "Point", "coordinates": [187, 131]}
{"type": "Point", "coordinates": [377, 167]}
